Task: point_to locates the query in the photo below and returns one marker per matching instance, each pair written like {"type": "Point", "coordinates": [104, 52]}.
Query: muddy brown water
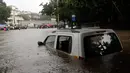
{"type": "Point", "coordinates": [19, 53]}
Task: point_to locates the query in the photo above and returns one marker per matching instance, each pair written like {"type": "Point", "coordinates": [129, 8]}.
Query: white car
{"type": "Point", "coordinates": [83, 43]}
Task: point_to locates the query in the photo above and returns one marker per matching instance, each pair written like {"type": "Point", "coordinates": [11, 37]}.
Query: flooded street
{"type": "Point", "coordinates": [19, 53]}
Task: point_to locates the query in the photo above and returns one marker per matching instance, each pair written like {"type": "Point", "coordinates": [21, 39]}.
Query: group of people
{"type": "Point", "coordinates": [4, 29]}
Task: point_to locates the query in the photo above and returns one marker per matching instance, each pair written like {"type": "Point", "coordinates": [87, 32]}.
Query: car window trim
{"type": "Point", "coordinates": [65, 36]}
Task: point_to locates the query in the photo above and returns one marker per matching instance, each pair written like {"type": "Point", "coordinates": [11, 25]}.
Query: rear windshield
{"type": "Point", "coordinates": [102, 44]}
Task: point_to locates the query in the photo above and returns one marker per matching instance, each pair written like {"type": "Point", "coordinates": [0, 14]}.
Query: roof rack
{"type": "Point", "coordinates": [66, 30]}
{"type": "Point", "coordinates": [74, 30]}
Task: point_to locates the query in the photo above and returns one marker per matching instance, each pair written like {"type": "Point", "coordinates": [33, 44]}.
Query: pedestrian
{"type": "Point", "coordinates": [4, 28]}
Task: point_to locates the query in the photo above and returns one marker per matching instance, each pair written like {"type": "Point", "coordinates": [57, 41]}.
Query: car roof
{"type": "Point", "coordinates": [83, 30]}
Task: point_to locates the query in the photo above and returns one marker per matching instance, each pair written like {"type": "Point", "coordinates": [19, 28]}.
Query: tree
{"type": "Point", "coordinates": [48, 9]}
{"type": "Point", "coordinates": [112, 13]}
{"type": "Point", "coordinates": [4, 12]}
{"type": "Point", "coordinates": [45, 17]}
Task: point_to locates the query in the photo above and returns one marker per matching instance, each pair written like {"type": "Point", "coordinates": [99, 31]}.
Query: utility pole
{"type": "Point", "coordinates": [57, 13]}
{"type": "Point", "coordinates": [14, 9]}
{"type": "Point", "coordinates": [13, 17]}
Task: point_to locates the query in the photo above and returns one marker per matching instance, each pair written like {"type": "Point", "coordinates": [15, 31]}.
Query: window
{"type": "Point", "coordinates": [50, 41]}
{"type": "Point", "coordinates": [64, 43]}
{"type": "Point", "coordinates": [102, 44]}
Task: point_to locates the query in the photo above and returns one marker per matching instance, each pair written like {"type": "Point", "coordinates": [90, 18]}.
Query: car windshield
{"type": "Point", "coordinates": [101, 44]}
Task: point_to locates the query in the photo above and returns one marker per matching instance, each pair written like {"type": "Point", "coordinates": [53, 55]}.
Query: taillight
{"type": "Point", "coordinates": [81, 58]}
{"type": "Point", "coordinates": [76, 57]}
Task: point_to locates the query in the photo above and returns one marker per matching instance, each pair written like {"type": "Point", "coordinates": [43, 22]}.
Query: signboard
{"type": "Point", "coordinates": [73, 17]}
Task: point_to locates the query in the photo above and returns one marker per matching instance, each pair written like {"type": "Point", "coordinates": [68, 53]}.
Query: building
{"type": "Point", "coordinates": [31, 15]}
{"type": "Point", "coordinates": [15, 18]}
{"type": "Point", "coordinates": [35, 16]}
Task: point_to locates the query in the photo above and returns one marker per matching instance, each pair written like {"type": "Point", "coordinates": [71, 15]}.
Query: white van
{"type": "Point", "coordinates": [83, 43]}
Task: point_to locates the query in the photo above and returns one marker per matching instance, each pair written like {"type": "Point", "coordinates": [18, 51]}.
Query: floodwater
{"type": "Point", "coordinates": [19, 53]}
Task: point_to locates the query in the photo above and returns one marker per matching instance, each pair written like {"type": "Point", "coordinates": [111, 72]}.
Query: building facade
{"type": "Point", "coordinates": [15, 18]}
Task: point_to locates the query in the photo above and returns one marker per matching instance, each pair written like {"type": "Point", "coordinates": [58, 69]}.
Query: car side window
{"type": "Point", "coordinates": [50, 41]}
{"type": "Point", "coordinates": [64, 43]}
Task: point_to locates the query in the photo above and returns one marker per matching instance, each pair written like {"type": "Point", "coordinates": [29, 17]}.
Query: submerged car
{"type": "Point", "coordinates": [84, 43]}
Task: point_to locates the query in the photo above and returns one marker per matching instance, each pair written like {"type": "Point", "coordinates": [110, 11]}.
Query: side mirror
{"type": "Point", "coordinates": [40, 43]}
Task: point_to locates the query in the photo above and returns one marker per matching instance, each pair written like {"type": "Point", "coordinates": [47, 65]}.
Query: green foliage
{"type": "Point", "coordinates": [45, 17]}
{"type": "Point", "coordinates": [113, 13]}
{"type": "Point", "coordinates": [4, 12]}
{"type": "Point", "coordinates": [49, 8]}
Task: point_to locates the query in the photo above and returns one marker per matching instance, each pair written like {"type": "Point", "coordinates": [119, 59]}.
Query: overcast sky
{"type": "Point", "coordinates": [27, 5]}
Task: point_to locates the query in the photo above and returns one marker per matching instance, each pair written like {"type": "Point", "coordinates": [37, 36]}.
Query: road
{"type": "Point", "coordinates": [19, 53]}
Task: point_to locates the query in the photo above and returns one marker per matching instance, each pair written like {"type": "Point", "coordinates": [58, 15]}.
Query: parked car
{"type": "Point", "coordinates": [23, 27]}
{"type": "Point", "coordinates": [17, 27]}
{"type": "Point", "coordinates": [11, 27]}
{"type": "Point", "coordinates": [31, 25]}
{"type": "Point", "coordinates": [45, 26]}
{"type": "Point", "coordinates": [83, 43]}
